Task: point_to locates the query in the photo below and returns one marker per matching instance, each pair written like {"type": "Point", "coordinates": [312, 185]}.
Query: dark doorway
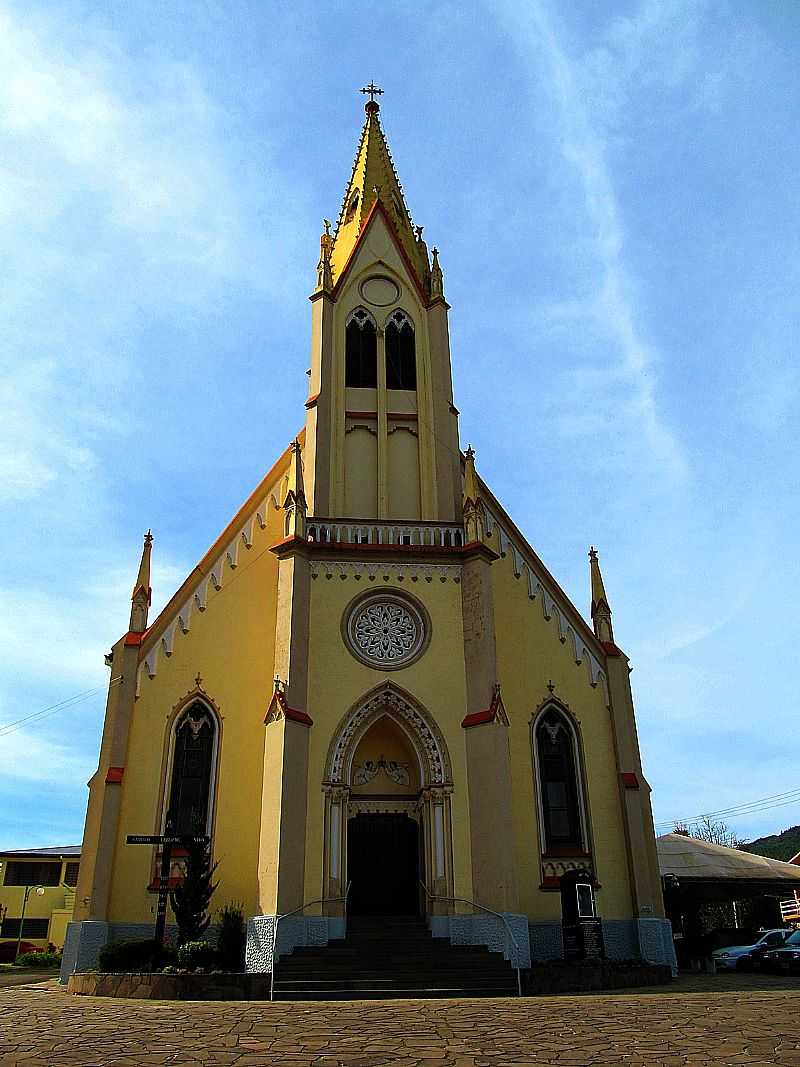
{"type": "Point", "coordinates": [383, 864]}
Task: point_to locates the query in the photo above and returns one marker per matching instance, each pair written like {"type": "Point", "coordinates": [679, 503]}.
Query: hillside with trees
{"type": "Point", "coordinates": [779, 846]}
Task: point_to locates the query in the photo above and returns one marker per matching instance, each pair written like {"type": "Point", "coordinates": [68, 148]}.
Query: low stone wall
{"type": "Point", "coordinates": [558, 976]}
{"type": "Point", "coordinates": [228, 986]}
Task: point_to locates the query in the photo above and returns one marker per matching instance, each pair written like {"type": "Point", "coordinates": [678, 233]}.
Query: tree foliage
{"type": "Point", "coordinates": [191, 899]}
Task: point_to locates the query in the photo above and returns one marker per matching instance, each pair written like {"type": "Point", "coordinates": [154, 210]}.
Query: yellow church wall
{"type": "Point", "coordinates": [529, 656]}
{"type": "Point", "coordinates": [403, 447]}
{"type": "Point", "coordinates": [337, 681]}
{"type": "Point", "coordinates": [361, 463]}
{"type": "Point", "coordinates": [230, 644]}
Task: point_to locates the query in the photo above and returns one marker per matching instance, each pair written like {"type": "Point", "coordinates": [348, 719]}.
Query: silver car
{"type": "Point", "coordinates": [729, 956]}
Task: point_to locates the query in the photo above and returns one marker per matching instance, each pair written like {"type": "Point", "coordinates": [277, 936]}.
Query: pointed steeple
{"type": "Point", "coordinates": [474, 513]}
{"type": "Point", "coordinates": [601, 612]}
{"type": "Point", "coordinates": [374, 178]}
{"type": "Point", "coordinates": [294, 502]}
{"type": "Point", "coordinates": [142, 593]}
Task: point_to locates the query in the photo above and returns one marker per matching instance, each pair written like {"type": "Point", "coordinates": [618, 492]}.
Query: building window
{"type": "Point", "coordinates": [25, 872]}
{"type": "Point", "coordinates": [401, 356]}
{"type": "Point", "coordinates": [559, 790]}
{"type": "Point", "coordinates": [192, 768]}
{"type": "Point", "coordinates": [36, 929]}
{"type": "Point", "coordinates": [71, 873]}
{"type": "Point", "coordinates": [361, 351]}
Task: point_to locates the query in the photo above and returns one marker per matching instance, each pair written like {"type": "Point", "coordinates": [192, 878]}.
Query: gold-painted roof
{"type": "Point", "coordinates": [374, 177]}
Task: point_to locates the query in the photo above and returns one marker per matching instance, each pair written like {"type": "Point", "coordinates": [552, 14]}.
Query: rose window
{"type": "Point", "coordinates": [386, 631]}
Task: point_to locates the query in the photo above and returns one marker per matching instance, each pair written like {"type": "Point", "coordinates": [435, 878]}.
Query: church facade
{"type": "Point", "coordinates": [370, 692]}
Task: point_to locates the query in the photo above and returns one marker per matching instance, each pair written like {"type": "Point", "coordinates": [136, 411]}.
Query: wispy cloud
{"type": "Point", "coordinates": [611, 311]}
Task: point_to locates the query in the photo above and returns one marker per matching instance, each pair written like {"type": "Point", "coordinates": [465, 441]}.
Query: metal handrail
{"type": "Point", "coordinates": [489, 911]}
{"type": "Point", "coordinates": [288, 915]}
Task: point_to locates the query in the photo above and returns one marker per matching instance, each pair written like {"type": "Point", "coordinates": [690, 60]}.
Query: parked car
{"type": "Point", "coordinates": [730, 956]}
{"type": "Point", "coordinates": [786, 959]}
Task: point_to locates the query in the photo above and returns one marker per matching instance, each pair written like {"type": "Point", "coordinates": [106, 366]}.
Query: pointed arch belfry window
{"type": "Point", "coordinates": [558, 775]}
{"type": "Point", "coordinates": [401, 354]}
{"type": "Point", "coordinates": [361, 351]}
{"type": "Point", "coordinates": [192, 772]}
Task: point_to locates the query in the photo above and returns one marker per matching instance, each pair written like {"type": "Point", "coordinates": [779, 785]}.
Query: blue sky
{"type": "Point", "coordinates": [614, 191]}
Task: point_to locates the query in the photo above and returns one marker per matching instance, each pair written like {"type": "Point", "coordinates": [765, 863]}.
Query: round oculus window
{"type": "Point", "coordinates": [386, 631]}
{"type": "Point", "coordinates": [380, 291]}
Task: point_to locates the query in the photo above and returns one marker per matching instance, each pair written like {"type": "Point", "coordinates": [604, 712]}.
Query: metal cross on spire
{"type": "Point", "coordinates": [373, 91]}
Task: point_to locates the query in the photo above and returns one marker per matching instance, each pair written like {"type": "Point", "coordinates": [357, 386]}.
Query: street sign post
{"type": "Point", "coordinates": [166, 841]}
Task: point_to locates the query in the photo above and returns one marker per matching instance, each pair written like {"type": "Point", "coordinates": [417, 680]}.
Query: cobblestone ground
{"type": "Point", "coordinates": [720, 1020]}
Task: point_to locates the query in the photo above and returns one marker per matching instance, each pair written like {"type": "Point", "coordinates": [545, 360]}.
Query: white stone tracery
{"type": "Point", "coordinates": [385, 630]}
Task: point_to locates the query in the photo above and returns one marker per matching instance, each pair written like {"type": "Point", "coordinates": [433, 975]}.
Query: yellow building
{"type": "Point", "coordinates": [37, 891]}
{"type": "Point", "coordinates": [371, 679]}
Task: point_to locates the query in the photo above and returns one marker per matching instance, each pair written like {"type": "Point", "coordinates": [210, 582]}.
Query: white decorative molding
{"type": "Point", "coordinates": [385, 631]}
{"type": "Point", "coordinates": [199, 596]}
{"type": "Point", "coordinates": [568, 629]}
{"type": "Point", "coordinates": [424, 734]}
{"type": "Point", "coordinates": [216, 572]}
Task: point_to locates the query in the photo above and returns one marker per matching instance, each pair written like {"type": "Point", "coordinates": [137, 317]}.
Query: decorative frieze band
{"type": "Point", "coordinates": [372, 572]}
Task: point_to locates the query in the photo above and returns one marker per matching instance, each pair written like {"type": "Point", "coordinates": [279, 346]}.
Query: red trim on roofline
{"type": "Point", "coordinates": [377, 206]}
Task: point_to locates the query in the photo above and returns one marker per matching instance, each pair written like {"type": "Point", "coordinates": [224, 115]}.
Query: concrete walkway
{"type": "Point", "coordinates": [734, 1019]}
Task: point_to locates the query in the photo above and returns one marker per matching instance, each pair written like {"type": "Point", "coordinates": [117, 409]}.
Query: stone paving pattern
{"type": "Point", "coordinates": [733, 1019]}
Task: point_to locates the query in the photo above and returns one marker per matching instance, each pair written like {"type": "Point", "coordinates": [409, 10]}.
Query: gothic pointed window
{"type": "Point", "coordinates": [361, 351]}
{"type": "Point", "coordinates": [559, 789]}
{"type": "Point", "coordinates": [401, 355]}
{"type": "Point", "coordinates": [192, 770]}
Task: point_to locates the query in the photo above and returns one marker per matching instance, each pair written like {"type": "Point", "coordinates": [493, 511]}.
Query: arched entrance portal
{"type": "Point", "coordinates": [387, 807]}
{"type": "Point", "coordinates": [383, 858]}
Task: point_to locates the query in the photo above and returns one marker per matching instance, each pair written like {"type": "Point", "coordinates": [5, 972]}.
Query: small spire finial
{"type": "Point", "coordinates": [470, 453]}
{"type": "Point", "coordinates": [327, 224]}
{"type": "Point", "coordinates": [372, 105]}
{"type": "Point", "coordinates": [601, 610]}
{"type": "Point", "coordinates": [551, 686]}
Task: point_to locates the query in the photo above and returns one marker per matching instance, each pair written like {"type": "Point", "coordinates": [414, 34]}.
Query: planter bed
{"type": "Point", "coordinates": [158, 986]}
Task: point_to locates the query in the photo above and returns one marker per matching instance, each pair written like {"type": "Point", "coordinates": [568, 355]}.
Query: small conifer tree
{"type": "Point", "coordinates": [190, 900]}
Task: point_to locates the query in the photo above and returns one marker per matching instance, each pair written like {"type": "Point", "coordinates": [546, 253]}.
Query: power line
{"type": "Point", "coordinates": [792, 796]}
{"type": "Point", "coordinates": [77, 698]}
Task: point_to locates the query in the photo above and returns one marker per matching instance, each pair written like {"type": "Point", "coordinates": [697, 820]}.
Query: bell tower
{"type": "Point", "coordinates": [381, 438]}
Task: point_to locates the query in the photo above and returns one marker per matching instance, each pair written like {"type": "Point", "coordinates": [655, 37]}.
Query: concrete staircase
{"type": "Point", "coordinates": [392, 956]}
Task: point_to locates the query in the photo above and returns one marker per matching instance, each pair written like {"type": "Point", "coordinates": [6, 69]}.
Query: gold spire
{"type": "Point", "coordinates": [142, 594]}
{"type": "Point", "coordinates": [601, 612]}
{"type": "Point", "coordinates": [374, 178]}
{"type": "Point", "coordinates": [294, 502]}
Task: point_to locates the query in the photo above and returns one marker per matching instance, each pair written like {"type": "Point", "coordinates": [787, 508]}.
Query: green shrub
{"type": "Point", "coordinates": [39, 959]}
{"type": "Point", "coordinates": [197, 954]}
{"type": "Point", "coordinates": [232, 935]}
{"type": "Point", "coordinates": [119, 956]}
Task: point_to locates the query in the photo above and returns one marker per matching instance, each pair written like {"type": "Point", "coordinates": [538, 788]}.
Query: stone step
{"type": "Point", "coordinates": [397, 993]}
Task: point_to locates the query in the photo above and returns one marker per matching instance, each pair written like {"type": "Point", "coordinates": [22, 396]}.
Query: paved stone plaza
{"type": "Point", "coordinates": [721, 1020]}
